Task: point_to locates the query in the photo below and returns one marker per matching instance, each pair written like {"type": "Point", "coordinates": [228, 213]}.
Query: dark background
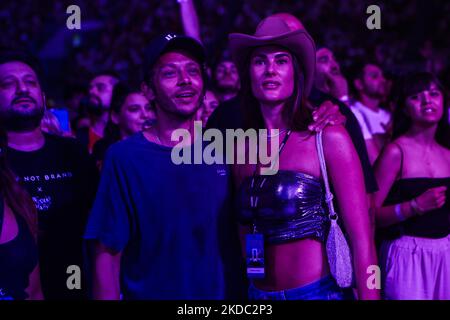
{"type": "Point", "coordinates": [114, 34]}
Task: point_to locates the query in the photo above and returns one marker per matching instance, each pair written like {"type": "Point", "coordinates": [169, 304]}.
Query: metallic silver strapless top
{"type": "Point", "coordinates": [291, 206]}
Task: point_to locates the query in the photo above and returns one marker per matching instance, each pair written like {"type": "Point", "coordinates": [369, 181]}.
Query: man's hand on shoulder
{"type": "Point", "coordinates": [327, 114]}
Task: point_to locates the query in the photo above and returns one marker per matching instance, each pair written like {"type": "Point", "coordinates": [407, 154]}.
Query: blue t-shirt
{"type": "Point", "coordinates": [172, 223]}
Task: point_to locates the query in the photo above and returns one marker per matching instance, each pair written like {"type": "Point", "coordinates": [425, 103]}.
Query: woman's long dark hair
{"type": "Point", "coordinates": [120, 93]}
{"type": "Point", "coordinates": [296, 112]}
{"type": "Point", "coordinates": [412, 84]}
{"type": "Point", "coordinates": [12, 192]}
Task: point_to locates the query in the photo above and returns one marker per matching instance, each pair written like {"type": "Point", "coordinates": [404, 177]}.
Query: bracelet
{"type": "Point", "coordinates": [417, 210]}
{"type": "Point", "coordinates": [344, 98]}
{"type": "Point", "coordinates": [399, 214]}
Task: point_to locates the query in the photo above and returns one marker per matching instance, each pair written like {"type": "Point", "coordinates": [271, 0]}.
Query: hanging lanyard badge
{"type": "Point", "coordinates": [255, 240]}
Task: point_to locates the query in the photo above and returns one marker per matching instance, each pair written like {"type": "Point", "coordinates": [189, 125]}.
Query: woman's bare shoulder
{"type": "Point", "coordinates": [336, 139]}
{"type": "Point", "coordinates": [394, 149]}
{"type": "Point", "coordinates": [302, 135]}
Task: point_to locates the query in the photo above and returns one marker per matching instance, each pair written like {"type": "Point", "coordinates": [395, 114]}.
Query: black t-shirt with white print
{"type": "Point", "coordinates": [62, 180]}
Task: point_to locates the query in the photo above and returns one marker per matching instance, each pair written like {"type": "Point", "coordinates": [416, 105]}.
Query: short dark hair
{"type": "Point", "coordinates": [120, 93]}
{"type": "Point", "coordinates": [106, 72]}
{"type": "Point", "coordinates": [356, 71]}
{"type": "Point", "coordinates": [226, 57]}
{"type": "Point", "coordinates": [11, 55]}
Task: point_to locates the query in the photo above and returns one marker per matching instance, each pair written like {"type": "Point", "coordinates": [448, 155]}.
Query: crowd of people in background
{"type": "Point", "coordinates": [87, 177]}
{"type": "Point", "coordinates": [114, 35]}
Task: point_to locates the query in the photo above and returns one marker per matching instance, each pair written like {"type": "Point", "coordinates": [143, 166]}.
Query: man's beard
{"type": "Point", "coordinates": [321, 82]}
{"type": "Point", "coordinates": [228, 88]}
{"type": "Point", "coordinates": [96, 107]}
{"type": "Point", "coordinates": [375, 94]}
{"type": "Point", "coordinates": [16, 121]}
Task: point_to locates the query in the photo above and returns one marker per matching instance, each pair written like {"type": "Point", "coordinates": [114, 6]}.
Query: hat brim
{"type": "Point", "coordinates": [298, 42]}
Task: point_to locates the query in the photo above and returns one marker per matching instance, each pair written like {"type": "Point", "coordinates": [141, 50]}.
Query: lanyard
{"type": "Point", "coordinates": [254, 199]}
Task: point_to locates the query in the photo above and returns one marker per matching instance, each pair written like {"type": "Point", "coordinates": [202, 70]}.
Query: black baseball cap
{"type": "Point", "coordinates": [169, 42]}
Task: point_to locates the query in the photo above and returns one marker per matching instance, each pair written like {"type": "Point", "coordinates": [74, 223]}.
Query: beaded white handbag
{"type": "Point", "coordinates": [338, 251]}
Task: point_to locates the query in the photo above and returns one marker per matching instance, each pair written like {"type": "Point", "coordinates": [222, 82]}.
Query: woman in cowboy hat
{"type": "Point", "coordinates": [282, 217]}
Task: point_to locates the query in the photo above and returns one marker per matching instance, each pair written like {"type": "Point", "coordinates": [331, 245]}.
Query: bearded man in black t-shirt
{"type": "Point", "coordinates": [56, 171]}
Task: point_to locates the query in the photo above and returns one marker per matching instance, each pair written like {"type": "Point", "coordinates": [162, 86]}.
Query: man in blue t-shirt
{"type": "Point", "coordinates": [161, 230]}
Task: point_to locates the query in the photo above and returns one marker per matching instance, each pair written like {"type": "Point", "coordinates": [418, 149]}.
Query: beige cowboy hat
{"type": "Point", "coordinates": [274, 31]}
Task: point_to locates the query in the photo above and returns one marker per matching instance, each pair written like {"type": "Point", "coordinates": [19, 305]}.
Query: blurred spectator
{"type": "Point", "coordinates": [370, 86]}
{"type": "Point", "coordinates": [210, 103]}
{"type": "Point", "coordinates": [99, 101]}
{"type": "Point", "coordinates": [329, 78]}
{"type": "Point", "coordinates": [226, 80]}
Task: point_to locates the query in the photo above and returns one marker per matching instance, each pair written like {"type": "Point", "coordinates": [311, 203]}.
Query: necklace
{"type": "Point", "coordinates": [254, 198]}
{"type": "Point", "coordinates": [276, 135]}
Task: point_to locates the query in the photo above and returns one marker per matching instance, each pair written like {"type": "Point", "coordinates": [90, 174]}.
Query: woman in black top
{"type": "Point", "coordinates": [413, 212]}
{"type": "Point", "coordinates": [19, 270]}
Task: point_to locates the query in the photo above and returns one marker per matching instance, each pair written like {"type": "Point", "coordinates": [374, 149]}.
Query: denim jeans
{"type": "Point", "coordinates": [323, 289]}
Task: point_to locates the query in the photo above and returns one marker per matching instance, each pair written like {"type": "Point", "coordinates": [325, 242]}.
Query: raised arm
{"type": "Point", "coordinates": [346, 176]}
{"type": "Point", "coordinates": [189, 18]}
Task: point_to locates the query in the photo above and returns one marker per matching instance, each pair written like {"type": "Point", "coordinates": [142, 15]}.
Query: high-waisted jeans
{"type": "Point", "coordinates": [323, 289]}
